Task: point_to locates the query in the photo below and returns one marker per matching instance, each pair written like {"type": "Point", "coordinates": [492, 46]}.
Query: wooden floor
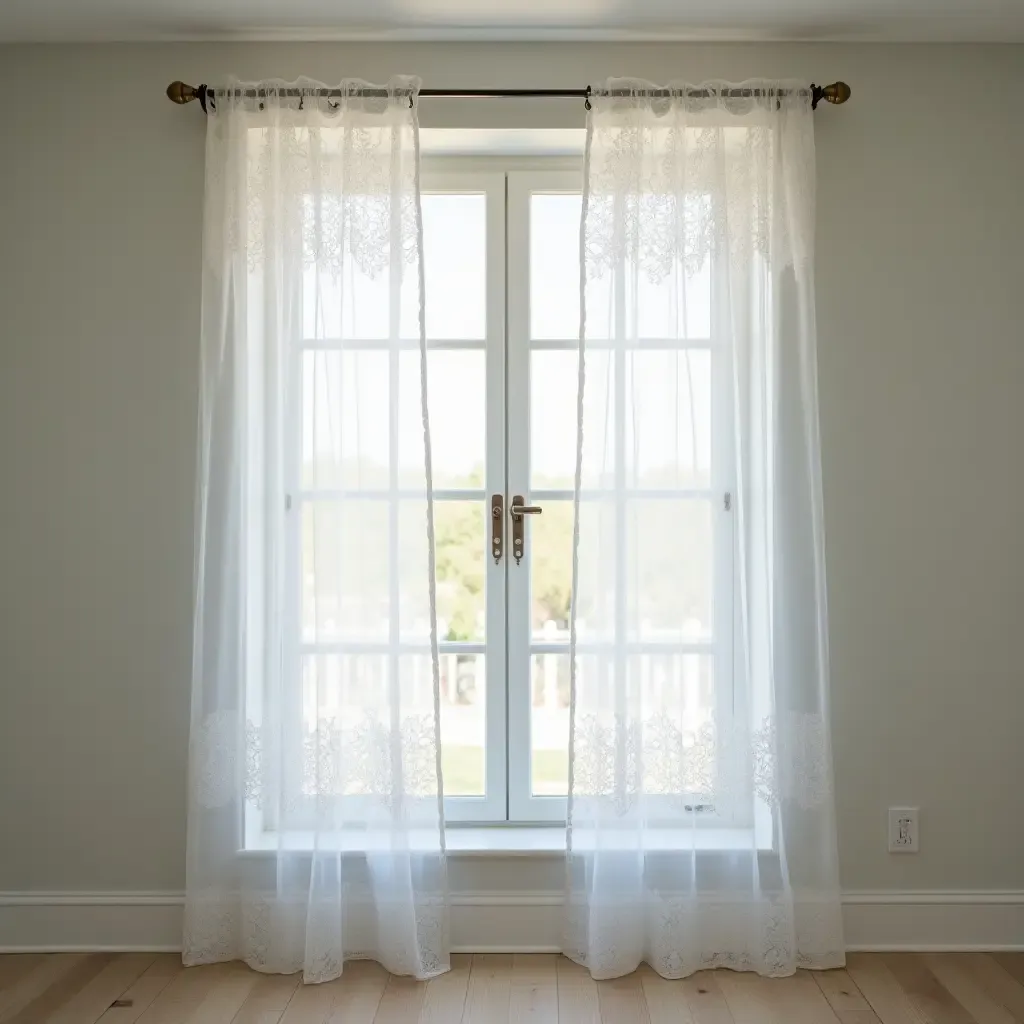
{"type": "Point", "coordinates": [899, 988]}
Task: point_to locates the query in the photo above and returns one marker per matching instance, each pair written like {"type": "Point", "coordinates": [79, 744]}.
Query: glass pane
{"type": "Point", "coordinates": [553, 413]}
{"type": "Point", "coordinates": [345, 420]}
{"type": "Point", "coordinates": [457, 399]}
{"type": "Point", "coordinates": [463, 704]}
{"type": "Point", "coordinates": [555, 266]}
{"type": "Point", "coordinates": [555, 271]}
{"type": "Point", "coordinates": [677, 305]}
{"type": "Point", "coordinates": [455, 255]}
{"type": "Point", "coordinates": [668, 426]}
{"type": "Point", "coordinates": [549, 724]}
{"type": "Point", "coordinates": [553, 392]}
{"type": "Point", "coordinates": [353, 305]}
{"type": "Point", "coordinates": [669, 559]}
{"type": "Point", "coordinates": [460, 557]}
{"type": "Point", "coordinates": [549, 547]}
{"type": "Point", "coordinates": [345, 564]}
{"type": "Point", "coordinates": [668, 422]}
{"type": "Point", "coordinates": [413, 572]}
{"type": "Point", "coordinates": [346, 688]}
{"type": "Point", "coordinates": [460, 554]}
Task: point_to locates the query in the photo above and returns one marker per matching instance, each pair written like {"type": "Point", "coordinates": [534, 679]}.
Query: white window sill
{"type": "Point", "coordinates": [505, 841]}
{"type": "Point", "coordinates": [516, 841]}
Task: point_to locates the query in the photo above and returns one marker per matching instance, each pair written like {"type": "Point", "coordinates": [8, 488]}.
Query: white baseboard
{"type": "Point", "coordinates": [934, 921]}
{"type": "Point", "coordinates": [506, 922]}
{"type": "Point", "coordinates": [71, 922]}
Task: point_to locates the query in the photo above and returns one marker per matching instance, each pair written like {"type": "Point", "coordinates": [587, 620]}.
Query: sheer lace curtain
{"type": "Point", "coordinates": [315, 829]}
{"type": "Point", "coordinates": [701, 828]}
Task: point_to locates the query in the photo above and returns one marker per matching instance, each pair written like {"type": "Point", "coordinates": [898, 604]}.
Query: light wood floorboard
{"type": "Point", "coordinates": [846, 1000]}
{"type": "Point", "coordinates": [875, 988]}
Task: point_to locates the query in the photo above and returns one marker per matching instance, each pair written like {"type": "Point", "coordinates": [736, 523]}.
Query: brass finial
{"type": "Point", "coordinates": [179, 92]}
{"type": "Point", "coordinates": [837, 92]}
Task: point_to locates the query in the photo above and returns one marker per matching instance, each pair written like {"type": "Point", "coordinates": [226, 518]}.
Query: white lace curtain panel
{"type": "Point", "coordinates": [701, 832]}
{"type": "Point", "coordinates": [314, 709]}
{"type": "Point", "coordinates": [697, 837]}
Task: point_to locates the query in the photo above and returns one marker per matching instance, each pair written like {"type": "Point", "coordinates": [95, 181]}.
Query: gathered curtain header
{"type": "Point", "coordinates": [680, 172]}
{"type": "Point", "coordinates": [309, 96]}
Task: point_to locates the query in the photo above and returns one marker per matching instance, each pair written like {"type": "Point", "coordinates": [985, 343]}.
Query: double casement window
{"type": "Point", "coordinates": [502, 277]}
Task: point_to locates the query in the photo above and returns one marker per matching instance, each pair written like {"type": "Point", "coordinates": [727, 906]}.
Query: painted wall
{"type": "Point", "coordinates": [921, 366]}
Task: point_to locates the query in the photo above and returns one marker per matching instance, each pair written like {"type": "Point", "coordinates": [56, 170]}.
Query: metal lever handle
{"type": "Point", "coordinates": [497, 526]}
{"type": "Point", "coordinates": [517, 510]}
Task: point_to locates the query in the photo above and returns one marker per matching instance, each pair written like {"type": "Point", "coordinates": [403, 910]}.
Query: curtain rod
{"type": "Point", "coordinates": [179, 92]}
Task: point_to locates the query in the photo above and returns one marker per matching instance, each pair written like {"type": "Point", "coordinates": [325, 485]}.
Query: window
{"type": "Point", "coordinates": [502, 320]}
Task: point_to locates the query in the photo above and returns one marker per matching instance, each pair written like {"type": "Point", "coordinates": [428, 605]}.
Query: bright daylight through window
{"type": "Point", "coordinates": [502, 323]}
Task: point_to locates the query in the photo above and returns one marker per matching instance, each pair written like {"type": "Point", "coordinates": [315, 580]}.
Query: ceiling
{"type": "Point", "coordinates": [511, 20]}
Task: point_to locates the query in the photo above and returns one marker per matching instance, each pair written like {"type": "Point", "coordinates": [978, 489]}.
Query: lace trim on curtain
{"type": "Point", "coordinates": [334, 759]}
{"type": "Point", "coordinates": [618, 762]}
{"type": "Point", "coordinates": [673, 183]}
{"type": "Point", "coordinates": [356, 167]}
{"type": "Point", "coordinates": [772, 934]}
{"type": "Point", "coordinates": [283, 938]}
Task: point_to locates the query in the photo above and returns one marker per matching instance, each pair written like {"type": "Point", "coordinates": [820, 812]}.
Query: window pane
{"type": "Point", "coordinates": [555, 270]}
{"type": "Point", "coordinates": [346, 428]}
{"type": "Point", "coordinates": [345, 570]}
{"type": "Point", "coordinates": [549, 725]}
{"type": "Point", "coordinates": [553, 413]}
{"type": "Point", "coordinates": [460, 559]}
{"type": "Point", "coordinates": [352, 305]}
{"type": "Point", "coordinates": [549, 547]}
{"type": "Point", "coordinates": [677, 305]}
{"type": "Point", "coordinates": [669, 558]}
{"type": "Point", "coordinates": [668, 422]}
{"type": "Point", "coordinates": [463, 704]}
{"type": "Point", "coordinates": [345, 434]}
{"type": "Point", "coordinates": [553, 391]}
{"type": "Point", "coordinates": [555, 266]}
{"type": "Point", "coordinates": [457, 399]}
{"type": "Point", "coordinates": [455, 265]}
{"type": "Point", "coordinates": [345, 564]}
{"type": "Point", "coordinates": [346, 688]}
{"type": "Point", "coordinates": [668, 426]}
{"type": "Point", "coordinates": [459, 554]}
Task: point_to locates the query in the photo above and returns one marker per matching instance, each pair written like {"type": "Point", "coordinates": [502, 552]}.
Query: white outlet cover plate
{"type": "Point", "coordinates": [904, 834]}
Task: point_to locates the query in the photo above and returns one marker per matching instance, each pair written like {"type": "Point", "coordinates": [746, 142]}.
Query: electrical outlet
{"type": "Point", "coordinates": [903, 833]}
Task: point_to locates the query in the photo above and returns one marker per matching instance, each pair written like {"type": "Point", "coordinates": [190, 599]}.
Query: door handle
{"type": "Point", "coordinates": [517, 510]}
